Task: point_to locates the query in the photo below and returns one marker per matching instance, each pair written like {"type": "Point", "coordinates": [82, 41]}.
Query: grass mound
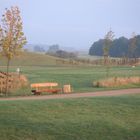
{"type": "Point", "coordinates": [31, 59]}
{"type": "Point", "coordinates": [117, 81]}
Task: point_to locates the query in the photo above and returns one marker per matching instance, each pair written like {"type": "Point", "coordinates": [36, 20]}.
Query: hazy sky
{"type": "Point", "coordinates": [76, 23]}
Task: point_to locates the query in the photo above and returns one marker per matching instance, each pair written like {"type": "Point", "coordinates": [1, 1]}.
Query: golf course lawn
{"type": "Point", "coordinates": [98, 118]}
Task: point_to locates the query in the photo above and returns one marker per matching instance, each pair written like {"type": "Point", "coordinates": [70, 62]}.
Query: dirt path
{"type": "Point", "coordinates": [76, 95]}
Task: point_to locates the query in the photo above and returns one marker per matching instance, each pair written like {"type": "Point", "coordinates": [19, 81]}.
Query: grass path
{"type": "Point", "coordinates": [77, 95]}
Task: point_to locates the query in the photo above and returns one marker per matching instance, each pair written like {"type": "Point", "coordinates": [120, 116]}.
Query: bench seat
{"type": "Point", "coordinates": [38, 88]}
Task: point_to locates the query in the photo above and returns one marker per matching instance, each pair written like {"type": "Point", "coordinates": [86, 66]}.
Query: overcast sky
{"type": "Point", "coordinates": [76, 23]}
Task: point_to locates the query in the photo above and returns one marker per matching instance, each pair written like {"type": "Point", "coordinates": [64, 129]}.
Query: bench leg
{"type": "Point", "coordinates": [36, 92]}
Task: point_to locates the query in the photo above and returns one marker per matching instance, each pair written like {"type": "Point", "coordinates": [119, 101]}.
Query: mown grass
{"type": "Point", "coordinates": [80, 78]}
{"type": "Point", "coordinates": [100, 118]}
{"type": "Point", "coordinates": [44, 68]}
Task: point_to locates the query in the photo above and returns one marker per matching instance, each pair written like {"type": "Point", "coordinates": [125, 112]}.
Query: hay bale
{"type": "Point", "coordinates": [134, 80]}
{"type": "Point", "coordinates": [19, 81]}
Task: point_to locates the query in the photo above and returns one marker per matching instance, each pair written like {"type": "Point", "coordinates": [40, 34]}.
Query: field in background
{"type": "Point", "coordinates": [41, 59]}
{"type": "Point", "coordinates": [44, 68]}
{"type": "Point", "coordinates": [102, 118]}
{"type": "Point", "coordinates": [86, 56]}
{"type": "Point", "coordinates": [30, 59]}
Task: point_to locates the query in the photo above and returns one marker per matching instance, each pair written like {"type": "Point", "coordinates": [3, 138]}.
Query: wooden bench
{"type": "Point", "coordinates": [38, 88]}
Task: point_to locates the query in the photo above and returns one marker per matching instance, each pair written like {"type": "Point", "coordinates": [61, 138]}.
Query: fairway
{"type": "Point", "coordinates": [100, 118]}
{"type": "Point", "coordinates": [80, 78]}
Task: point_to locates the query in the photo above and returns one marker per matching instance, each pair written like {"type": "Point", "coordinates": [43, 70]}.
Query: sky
{"type": "Point", "coordinates": [75, 23]}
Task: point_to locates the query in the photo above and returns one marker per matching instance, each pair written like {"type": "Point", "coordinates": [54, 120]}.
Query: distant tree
{"type": "Point", "coordinates": [121, 47]}
{"type": "Point", "coordinates": [108, 41]}
{"type": "Point", "coordinates": [132, 46]}
{"type": "Point", "coordinates": [1, 35]}
{"type": "Point", "coordinates": [12, 37]}
{"type": "Point", "coordinates": [39, 49]}
{"type": "Point", "coordinates": [53, 49]}
{"type": "Point", "coordinates": [97, 48]}
{"type": "Point", "coordinates": [65, 54]}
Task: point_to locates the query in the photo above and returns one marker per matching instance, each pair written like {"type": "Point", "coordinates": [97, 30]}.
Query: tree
{"type": "Point", "coordinates": [97, 48]}
{"type": "Point", "coordinates": [65, 54]}
{"type": "Point", "coordinates": [1, 34]}
{"type": "Point", "coordinates": [12, 37]}
{"type": "Point", "coordinates": [132, 46]}
{"type": "Point", "coordinates": [53, 49]}
{"type": "Point", "coordinates": [39, 49]}
{"type": "Point", "coordinates": [107, 45]}
{"type": "Point", "coordinates": [121, 47]}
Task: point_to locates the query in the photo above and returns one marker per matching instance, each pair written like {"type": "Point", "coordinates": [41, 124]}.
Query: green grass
{"type": "Point", "coordinates": [81, 78]}
{"type": "Point", "coordinates": [44, 68]}
{"type": "Point", "coordinates": [100, 118]}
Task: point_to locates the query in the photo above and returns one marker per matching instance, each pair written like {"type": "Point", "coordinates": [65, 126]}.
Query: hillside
{"type": "Point", "coordinates": [32, 59]}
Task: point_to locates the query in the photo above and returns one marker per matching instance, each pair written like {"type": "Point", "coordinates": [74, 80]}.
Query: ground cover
{"type": "Point", "coordinates": [98, 118]}
{"type": "Point", "coordinates": [81, 78]}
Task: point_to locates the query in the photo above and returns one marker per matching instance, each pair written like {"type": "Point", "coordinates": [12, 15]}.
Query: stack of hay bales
{"type": "Point", "coordinates": [15, 81]}
{"type": "Point", "coordinates": [3, 77]}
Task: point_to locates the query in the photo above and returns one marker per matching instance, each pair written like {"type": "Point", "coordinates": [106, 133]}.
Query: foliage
{"type": "Point", "coordinates": [53, 49]}
{"type": "Point", "coordinates": [120, 47]}
{"type": "Point", "coordinates": [108, 42]}
{"type": "Point", "coordinates": [39, 49]}
{"type": "Point", "coordinates": [11, 36]}
{"type": "Point", "coordinates": [132, 46]}
{"type": "Point", "coordinates": [64, 54]}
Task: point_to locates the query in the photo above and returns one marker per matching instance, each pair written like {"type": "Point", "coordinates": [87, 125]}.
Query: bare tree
{"type": "Point", "coordinates": [1, 35]}
{"type": "Point", "coordinates": [133, 46]}
{"type": "Point", "coordinates": [12, 37]}
{"type": "Point", "coordinates": [107, 45]}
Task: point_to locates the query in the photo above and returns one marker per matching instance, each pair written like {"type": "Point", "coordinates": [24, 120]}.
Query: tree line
{"type": "Point", "coordinates": [120, 47]}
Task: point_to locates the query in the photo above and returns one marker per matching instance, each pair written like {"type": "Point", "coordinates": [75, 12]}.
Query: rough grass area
{"type": "Point", "coordinates": [117, 82]}
{"type": "Point", "coordinates": [102, 118]}
{"type": "Point", "coordinates": [31, 59]}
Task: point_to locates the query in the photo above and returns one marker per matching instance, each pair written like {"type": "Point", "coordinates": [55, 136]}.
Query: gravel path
{"type": "Point", "coordinates": [76, 95]}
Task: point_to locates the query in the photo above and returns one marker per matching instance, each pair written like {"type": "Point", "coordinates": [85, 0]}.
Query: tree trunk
{"type": "Point", "coordinates": [7, 77]}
